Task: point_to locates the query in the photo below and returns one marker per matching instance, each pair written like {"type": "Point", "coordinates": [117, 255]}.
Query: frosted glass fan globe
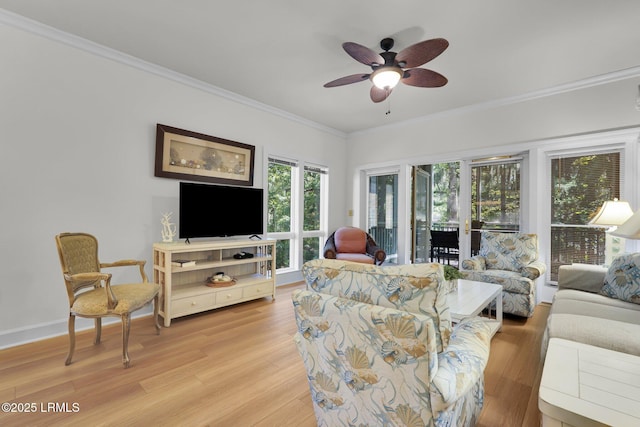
{"type": "Point", "coordinates": [385, 78]}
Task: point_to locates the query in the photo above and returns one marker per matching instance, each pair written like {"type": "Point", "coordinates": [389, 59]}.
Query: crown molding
{"type": "Point", "coordinates": [46, 31]}
{"type": "Point", "coordinates": [529, 96]}
{"type": "Point", "coordinates": [38, 28]}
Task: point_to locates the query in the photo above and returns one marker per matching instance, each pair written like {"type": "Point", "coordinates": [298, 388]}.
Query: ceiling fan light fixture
{"type": "Point", "coordinates": [386, 77]}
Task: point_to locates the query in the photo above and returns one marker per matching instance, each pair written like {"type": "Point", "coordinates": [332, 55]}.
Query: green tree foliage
{"type": "Point", "coordinates": [311, 219]}
{"type": "Point", "coordinates": [446, 189]}
{"type": "Point", "coordinates": [311, 215]}
{"type": "Point", "coordinates": [581, 185]}
{"type": "Point", "coordinates": [279, 208]}
{"type": "Point", "coordinates": [495, 194]}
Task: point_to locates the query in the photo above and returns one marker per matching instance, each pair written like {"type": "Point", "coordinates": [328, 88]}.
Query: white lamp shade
{"type": "Point", "coordinates": [613, 212]}
{"type": "Point", "coordinates": [630, 229]}
{"type": "Point", "coordinates": [385, 78]}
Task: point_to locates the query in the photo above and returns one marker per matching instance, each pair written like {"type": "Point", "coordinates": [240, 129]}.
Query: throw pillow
{"type": "Point", "coordinates": [622, 280]}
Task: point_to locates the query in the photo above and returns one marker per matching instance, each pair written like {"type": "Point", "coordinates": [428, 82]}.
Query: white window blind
{"type": "Point", "coordinates": [580, 183]}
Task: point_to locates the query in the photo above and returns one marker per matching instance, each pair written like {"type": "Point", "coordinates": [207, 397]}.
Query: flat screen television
{"type": "Point", "coordinates": [218, 210]}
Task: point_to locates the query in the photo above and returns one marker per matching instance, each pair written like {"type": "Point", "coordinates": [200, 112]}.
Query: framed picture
{"type": "Point", "coordinates": [182, 154]}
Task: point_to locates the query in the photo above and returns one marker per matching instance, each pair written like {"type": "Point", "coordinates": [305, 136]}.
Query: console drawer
{"type": "Point", "coordinates": [193, 304]}
{"type": "Point", "coordinates": [228, 296]}
{"type": "Point", "coordinates": [261, 289]}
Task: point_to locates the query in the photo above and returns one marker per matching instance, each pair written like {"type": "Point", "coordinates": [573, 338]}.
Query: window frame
{"type": "Point", "coordinates": [320, 233]}
{"type": "Point", "coordinates": [297, 234]}
{"type": "Point", "coordinates": [594, 148]}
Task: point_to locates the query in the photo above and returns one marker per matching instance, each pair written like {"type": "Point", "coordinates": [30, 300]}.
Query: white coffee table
{"type": "Point", "coordinates": [472, 297]}
{"type": "Point", "coordinates": [583, 385]}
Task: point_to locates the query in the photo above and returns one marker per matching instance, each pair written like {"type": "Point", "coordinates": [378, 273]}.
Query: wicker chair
{"type": "Point", "coordinates": [91, 294]}
{"type": "Point", "coordinates": [353, 244]}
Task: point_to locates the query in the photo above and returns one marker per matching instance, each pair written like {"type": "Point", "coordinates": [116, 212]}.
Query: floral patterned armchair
{"type": "Point", "coordinates": [510, 260]}
{"type": "Point", "coordinates": [379, 347]}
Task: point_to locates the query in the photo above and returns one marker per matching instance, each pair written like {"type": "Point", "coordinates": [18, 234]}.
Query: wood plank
{"type": "Point", "coordinates": [232, 366]}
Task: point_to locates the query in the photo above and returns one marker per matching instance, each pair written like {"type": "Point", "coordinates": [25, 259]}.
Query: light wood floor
{"type": "Point", "coordinates": [235, 366]}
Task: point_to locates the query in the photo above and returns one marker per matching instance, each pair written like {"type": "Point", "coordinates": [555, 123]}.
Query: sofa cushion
{"type": "Point", "coordinates": [622, 280]}
{"type": "Point", "coordinates": [363, 258]}
{"type": "Point", "coordinates": [583, 277]}
{"type": "Point", "coordinates": [509, 280]}
{"type": "Point", "coordinates": [508, 251]}
{"type": "Point", "coordinates": [606, 333]}
{"type": "Point", "coordinates": [351, 240]}
{"type": "Point", "coordinates": [569, 301]}
{"type": "Point", "coordinates": [417, 288]}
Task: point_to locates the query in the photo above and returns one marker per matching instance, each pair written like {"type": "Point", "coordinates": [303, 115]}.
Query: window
{"type": "Point", "coordinates": [382, 213]}
{"type": "Point", "coordinates": [579, 186]}
{"type": "Point", "coordinates": [313, 234]}
{"type": "Point", "coordinates": [280, 209]}
{"type": "Point", "coordinates": [298, 223]}
{"type": "Point", "coordinates": [446, 195]}
{"type": "Point", "coordinates": [495, 195]}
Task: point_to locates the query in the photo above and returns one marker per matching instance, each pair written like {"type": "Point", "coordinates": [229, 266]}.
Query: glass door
{"type": "Point", "coordinates": [495, 192]}
{"type": "Point", "coordinates": [435, 208]}
{"type": "Point", "coordinates": [382, 213]}
{"type": "Point", "coordinates": [421, 214]}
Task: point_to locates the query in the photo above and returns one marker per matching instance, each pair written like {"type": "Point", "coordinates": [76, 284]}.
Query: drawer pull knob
{"type": "Point", "coordinates": [193, 303]}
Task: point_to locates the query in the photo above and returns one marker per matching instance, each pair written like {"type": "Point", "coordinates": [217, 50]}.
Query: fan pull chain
{"type": "Point", "coordinates": [388, 101]}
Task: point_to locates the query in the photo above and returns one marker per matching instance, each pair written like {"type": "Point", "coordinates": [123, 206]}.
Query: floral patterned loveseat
{"type": "Point", "coordinates": [510, 260]}
{"type": "Point", "coordinates": [379, 347]}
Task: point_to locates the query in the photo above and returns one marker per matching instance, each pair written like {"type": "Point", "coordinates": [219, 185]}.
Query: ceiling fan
{"type": "Point", "coordinates": [389, 68]}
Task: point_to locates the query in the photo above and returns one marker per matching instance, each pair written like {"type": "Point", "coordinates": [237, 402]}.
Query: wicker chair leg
{"type": "Point", "coordinates": [156, 309]}
{"type": "Point", "coordinates": [72, 338]}
{"type": "Point", "coordinates": [126, 327]}
{"type": "Point", "coordinates": [98, 323]}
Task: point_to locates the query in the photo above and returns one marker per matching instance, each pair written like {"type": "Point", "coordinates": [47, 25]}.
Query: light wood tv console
{"type": "Point", "coordinates": [184, 290]}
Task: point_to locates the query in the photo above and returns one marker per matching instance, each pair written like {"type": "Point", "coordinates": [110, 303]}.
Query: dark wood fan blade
{"type": "Point", "coordinates": [379, 95]}
{"type": "Point", "coordinates": [421, 53]}
{"type": "Point", "coordinates": [422, 77]}
{"type": "Point", "coordinates": [353, 78]}
{"type": "Point", "coordinates": [362, 54]}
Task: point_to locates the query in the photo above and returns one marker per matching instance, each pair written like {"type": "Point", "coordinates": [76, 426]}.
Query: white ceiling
{"type": "Point", "coordinates": [281, 52]}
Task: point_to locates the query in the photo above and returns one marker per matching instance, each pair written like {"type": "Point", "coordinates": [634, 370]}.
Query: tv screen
{"type": "Point", "coordinates": [217, 210]}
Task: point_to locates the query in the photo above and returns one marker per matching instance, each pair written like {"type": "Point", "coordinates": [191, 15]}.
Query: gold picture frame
{"type": "Point", "coordinates": [182, 154]}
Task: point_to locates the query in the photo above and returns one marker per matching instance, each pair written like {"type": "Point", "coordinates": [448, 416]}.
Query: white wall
{"type": "Point", "coordinates": [78, 144]}
{"type": "Point", "coordinates": [597, 108]}
{"type": "Point", "coordinates": [531, 126]}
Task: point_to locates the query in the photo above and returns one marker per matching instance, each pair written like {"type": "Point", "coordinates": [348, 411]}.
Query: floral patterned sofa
{"type": "Point", "coordinates": [598, 306]}
{"type": "Point", "coordinates": [510, 260]}
{"type": "Point", "coordinates": [379, 347]}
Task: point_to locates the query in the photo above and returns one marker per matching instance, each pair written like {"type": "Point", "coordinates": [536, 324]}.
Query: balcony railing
{"type": "Point", "coordinates": [569, 244]}
{"type": "Point", "coordinates": [386, 238]}
{"type": "Point", "coordinates": [575, 244]}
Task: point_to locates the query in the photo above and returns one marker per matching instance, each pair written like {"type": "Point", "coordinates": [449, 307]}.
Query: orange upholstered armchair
{"type": "Point", "coordinates": [353, 244]}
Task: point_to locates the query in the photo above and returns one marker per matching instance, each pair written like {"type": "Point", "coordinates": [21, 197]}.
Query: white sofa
{"type": "Point", "coordinates": [593, 306]}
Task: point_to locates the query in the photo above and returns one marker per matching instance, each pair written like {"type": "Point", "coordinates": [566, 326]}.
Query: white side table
{"type": "Point", "coordinates": [583, 385]}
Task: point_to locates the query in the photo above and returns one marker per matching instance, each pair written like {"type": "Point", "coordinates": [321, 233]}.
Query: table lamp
{"type": "Point", "coordinates": [613, 213]}
{"type": "Point", "coordinates": [630, 229]}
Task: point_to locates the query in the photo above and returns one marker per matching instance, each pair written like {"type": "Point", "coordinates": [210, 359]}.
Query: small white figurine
{"type": "Point", "coordinates": [168, 229]}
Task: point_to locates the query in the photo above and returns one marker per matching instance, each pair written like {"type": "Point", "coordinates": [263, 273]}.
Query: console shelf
{"type": "Point", "coordinates": [184, 289]}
